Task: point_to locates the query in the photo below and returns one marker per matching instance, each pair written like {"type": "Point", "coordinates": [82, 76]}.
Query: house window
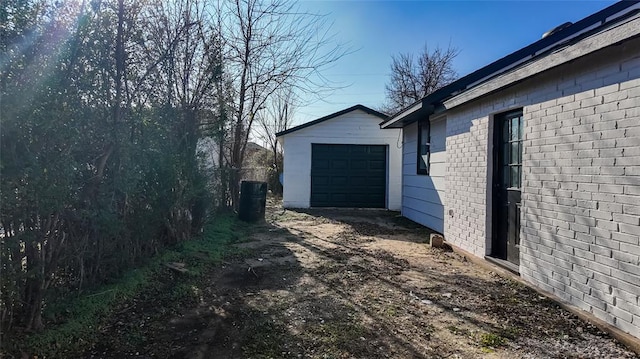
{"type": "Point", "coordinates": [424, 146]}
{"type": "Point", "coordinates": [511, 148]}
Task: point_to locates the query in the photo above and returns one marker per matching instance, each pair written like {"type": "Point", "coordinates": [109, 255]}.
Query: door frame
{"type": "Point", "coordinates": [494, 174]}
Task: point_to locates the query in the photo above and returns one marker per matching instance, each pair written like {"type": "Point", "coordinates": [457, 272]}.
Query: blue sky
{"type": "Point", "coordinates": [483, 31]}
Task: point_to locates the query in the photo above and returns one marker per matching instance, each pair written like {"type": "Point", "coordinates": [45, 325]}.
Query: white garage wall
{"type": "Point", "coordinates": [355, 128]}
{"type": "Point", "coordinates": [422, 195]}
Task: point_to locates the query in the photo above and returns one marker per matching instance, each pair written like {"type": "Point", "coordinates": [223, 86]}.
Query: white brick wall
{"type": "Point", "coordinates": [466, 174]}
{"type": "Point", "coordinates": [580, 235]}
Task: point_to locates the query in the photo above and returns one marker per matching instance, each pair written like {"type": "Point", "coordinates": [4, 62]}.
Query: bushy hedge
{"type": "Point", "coordinates": [98, 159]}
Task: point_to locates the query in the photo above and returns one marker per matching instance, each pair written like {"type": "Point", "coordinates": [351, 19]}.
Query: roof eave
{"type": "Point", "coordinates": [366, 109]}
{"type": "Point", "coordinates": [607, 37]}
{"type": "Point", "coordinates": [520, 57]}
{"type": "Point", "coordinates": [399, 120]}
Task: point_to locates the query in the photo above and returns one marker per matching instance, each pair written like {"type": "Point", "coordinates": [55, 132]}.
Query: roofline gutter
{"type": "Point", "coordinates": [419, 110]}
{"type": "Point", "coordinates": [519, 57]}
{"type": "Point", "coordinates": [619, 34]}
{"type": "Point", "coordinates": [417, 106]}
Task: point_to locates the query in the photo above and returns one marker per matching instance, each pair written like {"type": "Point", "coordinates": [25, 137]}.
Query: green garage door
{"type": "Point", "coordinates": [348, 176]}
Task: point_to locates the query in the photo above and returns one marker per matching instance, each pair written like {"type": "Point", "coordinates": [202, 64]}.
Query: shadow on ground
{"type": "Point", "coordinates": [354, 284]}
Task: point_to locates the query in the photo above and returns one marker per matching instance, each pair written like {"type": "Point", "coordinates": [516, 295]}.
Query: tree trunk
{"type": "Point", "coordinates": [34, 287]}
{"type": "Point", "coordinates": [238, 146]}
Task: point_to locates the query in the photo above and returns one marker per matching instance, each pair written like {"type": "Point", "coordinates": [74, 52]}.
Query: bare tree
{"type": "Point", "coordinates": [191, 72]}
{"type": "Point", "coordinates": [413, 79]}
{"type": "Point", "coordinates": [279, 116]}
{"type": "Point", "coordinates": [270, 45]}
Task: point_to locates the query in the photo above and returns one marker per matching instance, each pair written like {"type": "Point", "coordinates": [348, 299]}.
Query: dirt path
{"type": "Point", "coordinates": [362, 284]}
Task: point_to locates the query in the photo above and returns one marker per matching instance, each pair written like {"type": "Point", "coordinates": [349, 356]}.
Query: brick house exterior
{"type": "Point", "coordinates": [556, 127]}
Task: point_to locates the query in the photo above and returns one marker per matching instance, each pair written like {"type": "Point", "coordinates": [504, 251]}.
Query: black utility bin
{"type": "Point", "coordinates": [253, 199]}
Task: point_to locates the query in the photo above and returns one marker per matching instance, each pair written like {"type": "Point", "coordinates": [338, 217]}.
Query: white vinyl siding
{"type": "Point", "coordinates": [422, 195]}
{"type": "Point", "coordinates": [355, 128]}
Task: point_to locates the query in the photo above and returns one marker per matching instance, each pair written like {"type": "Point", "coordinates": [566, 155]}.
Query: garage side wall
{"type": "Point", "coordinates": [356, 128]}
{"type": "Point", "coordinates": [580, 233]}
{"type": "Point", "coordinates": [422, 195]}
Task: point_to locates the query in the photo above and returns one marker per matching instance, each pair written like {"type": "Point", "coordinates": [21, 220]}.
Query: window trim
{"type": "Point", "coordinates": [421, 124]}
{"type": "Point", "coordinates": [499, 142]}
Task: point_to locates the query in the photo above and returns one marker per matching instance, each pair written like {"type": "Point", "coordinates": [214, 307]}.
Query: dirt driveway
{"type": "Point", "coordinates": [362, 284]}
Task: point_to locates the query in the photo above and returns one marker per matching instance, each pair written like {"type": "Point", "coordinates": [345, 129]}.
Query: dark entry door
{"type": "Point", "coordinates": [348, 175]}
{"type": "Point", "coordinates": [507, 179]}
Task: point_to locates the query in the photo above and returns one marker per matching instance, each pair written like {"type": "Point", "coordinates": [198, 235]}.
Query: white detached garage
{"type": "Point", "coordinates": [342, 160]}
